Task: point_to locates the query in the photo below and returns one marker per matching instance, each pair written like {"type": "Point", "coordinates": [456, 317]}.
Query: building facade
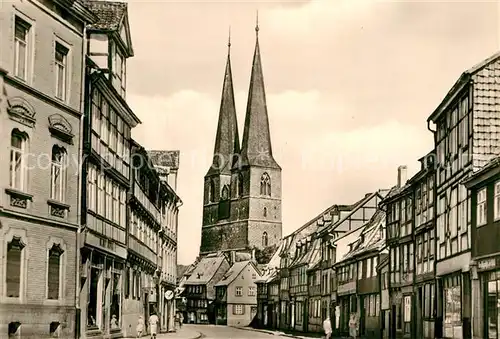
{"type": "Point", "coordinates": [242, 188]}
{"type": "Point", "coordinates": [41, 87]}
{"type": "Point", "coordinates": [106, 172]}
{"type": "Point", "coordinates": [485, 199]}
{"type": "Point", "coordinates": [199, 288]}
{"type": "Point", "coordinates": [150, 277]}
{"type": "Point", "coordinates": [236, 295]}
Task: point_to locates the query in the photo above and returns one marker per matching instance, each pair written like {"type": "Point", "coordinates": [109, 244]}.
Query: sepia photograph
{"type": "Point", "coordinates": [232, 169]}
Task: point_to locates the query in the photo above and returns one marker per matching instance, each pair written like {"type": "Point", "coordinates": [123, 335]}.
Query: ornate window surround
{"type": "Point", "coordinates": [11, 234]}
{"type": "Point", "coordinates": [60, 128]}
{"type": "Point", "coordinates": [54, 241]}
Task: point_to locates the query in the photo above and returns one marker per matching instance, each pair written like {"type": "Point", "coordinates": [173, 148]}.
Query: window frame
{"type": "Point", "coordinates": [60, 288]}
{"type": "Point", "coordinates": [62, 66]}
{"type": "Point", "coordinates": [481, 207]}
{"type": "Point", "coordinates": [22, 20]}
{"type": "Point", "coordinates": [58, 189]}
{"type": "Point", "coordinates": [21, 152]}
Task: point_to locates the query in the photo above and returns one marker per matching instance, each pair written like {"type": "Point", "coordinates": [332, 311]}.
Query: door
{"type": "Point", "coordinates": [392, 322]}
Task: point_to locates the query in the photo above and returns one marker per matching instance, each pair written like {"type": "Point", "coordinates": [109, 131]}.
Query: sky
{"type": "Point", "coordinates": [349, 85]}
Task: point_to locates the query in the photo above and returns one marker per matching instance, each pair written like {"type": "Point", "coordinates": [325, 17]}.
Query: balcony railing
{"type": "Point", "coordinates": [146, 203]}
{"type": "Point", "coordinates": [140, 248]}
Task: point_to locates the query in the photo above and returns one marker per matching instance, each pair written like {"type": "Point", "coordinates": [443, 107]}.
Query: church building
{"type": "Point", "coordinates": [242, 188]}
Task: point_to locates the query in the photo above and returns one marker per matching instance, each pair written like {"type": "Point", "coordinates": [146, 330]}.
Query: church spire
{"type": "Point", "coordinates": [227, 142]}
{"type": "Point", "coordinates": [256, 147]}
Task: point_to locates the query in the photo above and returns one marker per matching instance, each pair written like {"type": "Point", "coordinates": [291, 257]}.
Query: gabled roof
{"type": "Point", "coordinates": [373, 237]}
{"type": "Point", "coordinates": [205, 269]}
{"type": "Point", "coordinates": [112, 16]}
{"type": "Point", "coordinates": [357, 206]}
{"type": "Point", "coordinates": [234, 272]}
{"type": "Point", "coordinates": [459, 85]}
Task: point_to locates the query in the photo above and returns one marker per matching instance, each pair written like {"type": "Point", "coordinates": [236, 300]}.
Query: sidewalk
{"type": "Point", "coordinates": [183, 333]}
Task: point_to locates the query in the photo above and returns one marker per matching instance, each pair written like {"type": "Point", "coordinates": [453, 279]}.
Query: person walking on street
{"type": "Point", "coordinates": [140, 327]}
{"type": "Point", "coordinates": [327, 327]}
{"type": "Point", "coordinates": [353, 326]}
{"type": "Point", "coordinates": [153, 325]}
{"type": "Point", "coordinates": [181, 319]}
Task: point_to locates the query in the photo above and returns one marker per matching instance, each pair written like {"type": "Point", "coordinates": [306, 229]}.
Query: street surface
{"type": "Point", "coordinates": [216, 332]}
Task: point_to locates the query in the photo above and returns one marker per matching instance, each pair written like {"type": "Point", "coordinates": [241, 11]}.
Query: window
{"type": "Point", "coordinates": [265, 185]}
{"type": "Point", "coordinates": [119, 73]}
{"type": "Point", "coordinates": [265, 212]}
{"type": "Point", "coordinates": [14, 266]}
{"type": "Point", "coordinates": [61, 60]}
{"type": "Point", "coordinates": [58, 174]}
{"type": "Point", "coordinates": [238, 309]}
{"type": "Point", "coordinates": [239, 291]}
{"type": "Point", "coordinates": [481, 206]}
{"type": "Point", "coordinates": [240, 185]}
{"type": "Point", "coordinates": [497, 200]}
{"type": "Point", "coordinates": [21, 35]}
{"type": "Point", "coordinates": [211, 191]}
{"type": "Point", "coordinates": [251, 291]}
{"type": "Point", "coordinates": [18, 166]}
{"type": "Point", "coordinates": [264, 239]}
{"type": "Point", "coordinates": [54, 272]}
{"type": "Point", "coordinates": [92, 188]}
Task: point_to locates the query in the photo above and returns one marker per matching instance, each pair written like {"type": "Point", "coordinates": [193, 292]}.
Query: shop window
{"type": "Point", "coordinates": [452, 306]}
{"type": "Point", "coordinates": [93, 296]}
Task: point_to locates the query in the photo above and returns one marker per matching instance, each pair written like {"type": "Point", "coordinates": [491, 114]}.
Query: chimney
{"type": "Point", "coordinates": [402, 175]}
{"type": "Point", "coordinates": [253, 254]}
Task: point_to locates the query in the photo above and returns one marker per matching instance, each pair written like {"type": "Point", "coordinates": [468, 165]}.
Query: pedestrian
{"type": "Point", "coordinates": [353, 326]}
{"type": "Point", "coordinates": [181, 319]}
{"type": "Point", "coordinates": [153, 324]}
{"type": "Point", "coordinates": [140, 327]}
{"type": "Point", "coordinates": [327, 327]}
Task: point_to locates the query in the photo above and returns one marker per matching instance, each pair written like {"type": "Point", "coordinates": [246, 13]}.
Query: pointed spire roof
{"type": "Point", "coordinates": [227, 139]}
{"type": "Point", "coordinates": [256, 147]}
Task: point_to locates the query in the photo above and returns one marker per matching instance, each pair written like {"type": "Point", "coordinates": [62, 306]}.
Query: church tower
{"type": "Point", "coordinates": [250, 215]}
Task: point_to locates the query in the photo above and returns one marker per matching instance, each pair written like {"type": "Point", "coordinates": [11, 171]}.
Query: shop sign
{"type": "Point", "coordinates": [486, 264]}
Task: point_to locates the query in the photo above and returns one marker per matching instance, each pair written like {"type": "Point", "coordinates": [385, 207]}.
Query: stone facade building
{"type": "Point", "coordinates": [41, 91]}
{"type": "Point", "coordinates": [242, 190]}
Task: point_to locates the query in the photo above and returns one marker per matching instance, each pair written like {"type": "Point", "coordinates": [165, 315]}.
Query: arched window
{"type": "Point", "coordinates": [58, 174]}
{"type": "Point", "coordinates": [240, 185]}
{"type": "Point", "coordinates": [18, 165]}
{"type": "Point", "coordinates": [265, 185]}
{"type": "Point", "coordinates": [265, 212]}
{"type": "Point", "coordinates": [225, 192]}
{"type": "Point", "coordinates": [264, 239]}
{"type": "Point", "coordinates": [211, 191]}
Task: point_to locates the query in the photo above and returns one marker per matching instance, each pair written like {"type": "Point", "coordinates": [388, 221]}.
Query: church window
{"type": "Point", "coordinates": [225, 192]}
{"type": "Point", "coordinates": [265, 185]}
{"type": "Point", "coordinates": [264, 239]}
{"type": "Point", "coordinates": [211, 191]}
{"type": "Point", "coordinates": [265, 211]}
{"type": "Point", "coordinates": [240, 185]}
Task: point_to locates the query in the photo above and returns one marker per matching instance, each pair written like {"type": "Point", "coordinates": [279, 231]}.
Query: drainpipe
{"type": "Point", "coordinates": [80, 172]}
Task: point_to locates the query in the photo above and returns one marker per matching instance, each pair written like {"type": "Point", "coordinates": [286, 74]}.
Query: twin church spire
{"type": "Point", "coordinates": [256, 147]}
